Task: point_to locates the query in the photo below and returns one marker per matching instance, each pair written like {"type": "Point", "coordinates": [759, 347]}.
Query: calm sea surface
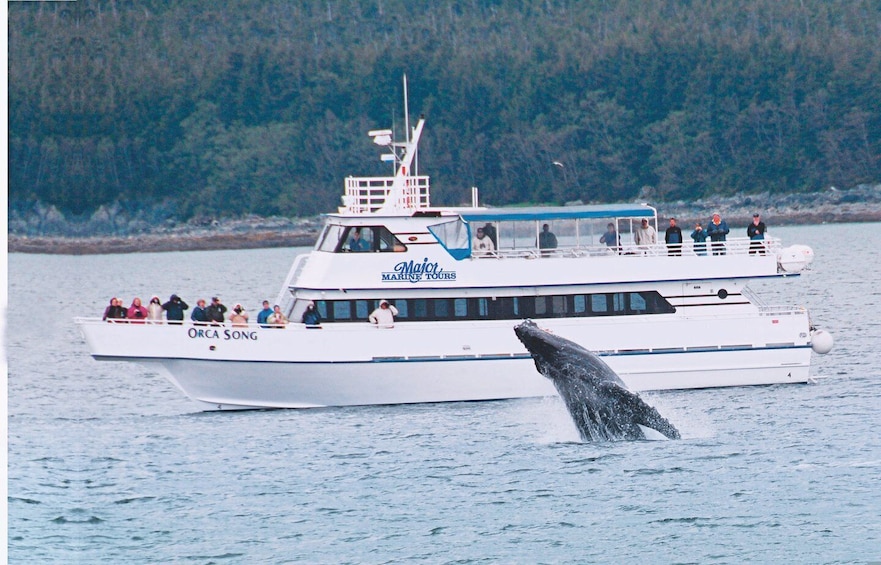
{"type": "Point", "coordinates": [109, 463]}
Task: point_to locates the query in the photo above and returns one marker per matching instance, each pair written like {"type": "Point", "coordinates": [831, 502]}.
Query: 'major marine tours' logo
{"type": "Point", "coordinates": [418, 272]}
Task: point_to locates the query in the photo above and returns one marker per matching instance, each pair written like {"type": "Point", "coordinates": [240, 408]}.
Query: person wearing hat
{"type": "Point", "coordinates": [645, 234]}
{"type": "Point", "coordinates": [174, 309]}
{"type": "Point", "coordinates": [199, 316]}
{"type": "Point", "coordinates": [239, 317]}
{"type": "Point", "coordinates": [481, 244]}
{"type": "Point", "coordinates": [756, 233]}
{"type": "Point", "coordinates": [384, 316]}
{"type": "Point", "coordinates": [717, 229]}
{"type": "Point", "coordinates": [215, 311]}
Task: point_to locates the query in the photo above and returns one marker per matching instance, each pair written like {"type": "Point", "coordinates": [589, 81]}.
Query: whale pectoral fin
{"type": "Point", "coordinates": [643, 414]}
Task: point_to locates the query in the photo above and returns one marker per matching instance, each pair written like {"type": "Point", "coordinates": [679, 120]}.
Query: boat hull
{"type": "Point", "coordinates": [231, 385]}
{"type": "Point", "coordinates": [222, 367]}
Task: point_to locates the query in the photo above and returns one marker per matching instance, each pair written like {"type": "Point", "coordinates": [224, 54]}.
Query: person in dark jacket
{"type": "Point", "coordinates": [717, 230]}
{"type": "Point", "coordinates": [311, 317]}
{"type": "Point", "coordinates": [673, 237]}
{"type": "Point", "coordinates": [546, 239]}
{"type": "Point", "coordinates": [756, 233]}
{"type": "Point", "coordinates": [199, 316]}
{"type": "Point", "coordinates": [215, 311]}
{"type": "Point", "coordinates": [174, 309]}
{"type": "Point", "coordinates": [700, 237]}
{"type": "Point", "coordinates": [115, 311]}
{"type": "Point", "coordinates": [611, 237]}
{"type": "Point", "coordinates": [490, 231]}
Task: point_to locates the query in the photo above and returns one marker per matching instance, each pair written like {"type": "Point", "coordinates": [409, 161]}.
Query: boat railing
{"type": "Point", "coordinates": [366, 195]}
{"type": "Point", "coordinates": [733, 246]}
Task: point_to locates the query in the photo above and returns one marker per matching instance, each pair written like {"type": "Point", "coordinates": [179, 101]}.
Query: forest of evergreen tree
{"type": "Point", "coordinates": [262, 106]}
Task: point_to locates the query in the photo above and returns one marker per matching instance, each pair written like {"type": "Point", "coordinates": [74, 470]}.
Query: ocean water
{"type": "Point", "coordinates": [109, 463]}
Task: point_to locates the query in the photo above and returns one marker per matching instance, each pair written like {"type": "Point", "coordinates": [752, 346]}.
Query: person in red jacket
{"type": "Point", "coordinates": [136, 313]}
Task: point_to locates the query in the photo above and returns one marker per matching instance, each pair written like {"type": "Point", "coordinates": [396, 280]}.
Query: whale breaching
{"type": "Point", "coordinates": [601, 405]}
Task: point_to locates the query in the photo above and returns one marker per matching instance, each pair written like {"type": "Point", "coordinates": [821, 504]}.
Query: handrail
{"type": "Point", "coordinates": [733, 246]}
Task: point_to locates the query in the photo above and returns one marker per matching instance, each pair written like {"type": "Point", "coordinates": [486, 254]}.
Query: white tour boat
{"type": "Point", "coordinates": [661, 321]}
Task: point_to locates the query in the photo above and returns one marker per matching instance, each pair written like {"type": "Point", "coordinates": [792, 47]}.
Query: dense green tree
{"type": "Point", "coordinates": [261, 106]}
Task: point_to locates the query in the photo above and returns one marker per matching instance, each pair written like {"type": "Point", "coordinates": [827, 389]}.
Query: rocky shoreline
{"type": "Point", "coordinates": [43, 233]}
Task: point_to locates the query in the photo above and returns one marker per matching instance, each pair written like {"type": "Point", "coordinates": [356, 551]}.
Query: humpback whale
{"type": "Point", "coordinates": [601, 405]}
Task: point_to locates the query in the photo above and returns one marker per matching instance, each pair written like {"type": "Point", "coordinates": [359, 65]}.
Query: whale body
{"type": "Point", "coordinates": [601, 405]}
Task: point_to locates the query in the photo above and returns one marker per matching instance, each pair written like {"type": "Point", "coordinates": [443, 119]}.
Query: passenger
{"type": "Point", "coordinates": [673, 238]}
{"type": "Point", "coordinates": [239, 318]}
{"type": "Point", "coordinates": [547, 239]}
{"type": "Point", "coordinates": [154, 310]}
{"type": "Point", "coordinates": [356, 243]}
{"type": "Point", "coordinates": [481, 244]}
{"type": "Point", "coordinates": [115, 311]}
{"type": "Point", "coordinates": [174, 309]}
{"type": "Point", "coordinates": [700, 237]}
{"type": "Point", "coordinates": [136, 313]}
{"type": "Point", "coordinates": [311, 317]}
{"type": "Point", "coordinates": [611, 237]}
{"type": "Point", "coordinates": [264, 314]}
{"type": "Point", "coordinates": [384, 316]}
{"type": "Point", "coordinates": [756, 233]}
{"type": "Point", "coordinates": [717, 230]}
{"type": "Point", "coordinates": [277, 319]}
{"type": "Point", "coordinates": [490, 231]}
{"type": "Point", "coordinates": [199, 315]}
{"type": "Point", "coordinates": [215, 311]}
{"type": "Point", "coordinates": [645, 235]}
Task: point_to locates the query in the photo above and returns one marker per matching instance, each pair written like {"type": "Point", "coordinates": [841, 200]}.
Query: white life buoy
{"type": "Point", "coordinates": [821, 341]}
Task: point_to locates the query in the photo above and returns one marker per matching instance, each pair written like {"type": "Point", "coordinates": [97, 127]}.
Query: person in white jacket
{"type": "Point", "coordinates": [384, 316]}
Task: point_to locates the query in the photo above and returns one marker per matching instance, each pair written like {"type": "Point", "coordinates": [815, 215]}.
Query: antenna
{"type": "Point", "coordinates": [406, 110]}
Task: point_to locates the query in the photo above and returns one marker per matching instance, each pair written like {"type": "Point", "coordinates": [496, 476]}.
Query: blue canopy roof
{"type": "Point", "coordinates": [539, 213]}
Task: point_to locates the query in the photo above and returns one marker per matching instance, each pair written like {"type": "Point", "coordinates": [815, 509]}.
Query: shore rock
{"type": "Point", "coordinates": [113, 229]}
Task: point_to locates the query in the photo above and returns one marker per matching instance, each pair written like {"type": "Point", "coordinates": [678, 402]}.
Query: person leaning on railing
{"type": "Point", "coordinates": [277, 319]}
{"type": "Point", "coordinates": [756, 233]}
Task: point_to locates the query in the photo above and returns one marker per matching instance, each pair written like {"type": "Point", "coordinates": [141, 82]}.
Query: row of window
{"type": "Point", "coordinates": [502, 308]}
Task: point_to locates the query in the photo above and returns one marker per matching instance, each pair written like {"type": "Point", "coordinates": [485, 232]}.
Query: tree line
{"type": "Point", "coordinates": [262, 106]}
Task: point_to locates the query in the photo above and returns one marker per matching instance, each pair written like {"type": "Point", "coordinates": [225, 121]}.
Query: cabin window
{"type": "Point", "coordinates": [321, 306]}
{"type": "Point", "coordinates": [541, 307]}
{"type": "Point", "coordinates": [362, 309]}
{"type": "Point", "coordinates": [358, 239]}
{"type": "Point", "coordinates": [420, 308]}
{"type": "Point", "coordinates": [559, 306]}
{"type": "Point", "coordinates": [599, 303]}
{"type": "Point", "coordinates": [618, 304]}
{"type": "Point", "coordinates": [442, 308]}
{"type": "Point", "coordinates": [503, 308]}
{"type": "Point", "coordinates": [637, 303]}
{"type": "Point", "coordinates": [331, 238]}
{"type": "Point", "coordinates": [460, 307]}
{"type": "Point", "coordinates": [342, 310]}
{"type": "Point", "coordinates": [453, 236]}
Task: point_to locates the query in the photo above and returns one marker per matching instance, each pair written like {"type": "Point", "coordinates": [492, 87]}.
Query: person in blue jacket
{"type": "Point", "coordinates": [199, 315]}
{"type": "Point", "coordinates": [700, 237]}
{"type": "Point", "coordinates": [357, 243]}
{"type": "Point", "coordinates": [263, 315]}
{"type": "Point", "coordinates": [717, 230]}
